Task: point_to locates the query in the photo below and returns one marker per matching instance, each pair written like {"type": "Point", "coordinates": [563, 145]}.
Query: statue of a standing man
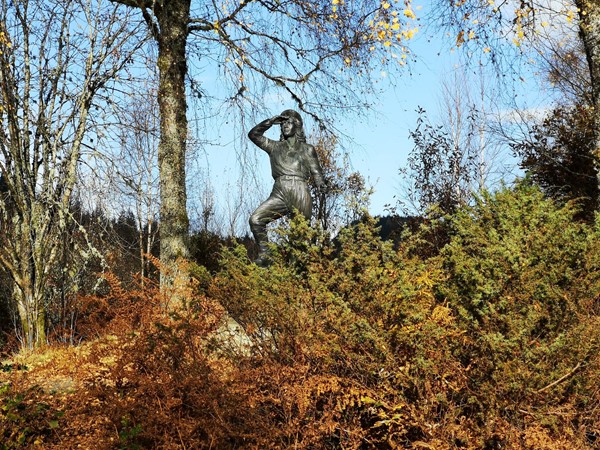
{"type": "Point", "coordinates": [293, 162]}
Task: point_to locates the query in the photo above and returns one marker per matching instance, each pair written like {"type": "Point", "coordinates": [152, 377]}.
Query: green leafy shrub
{"type": "Point", "coordinates": [354, 315]}
{"type": "Point", "coordinates": [489, 343]}
{"type": "Point", "coordinates": [516, 265]}
{"type": "Point", "coordinates": [27, 419]}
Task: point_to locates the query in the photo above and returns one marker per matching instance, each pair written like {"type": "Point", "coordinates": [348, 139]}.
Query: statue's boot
{"type": "Point", "coordinates": [259, 230]}
{"type": "Point", "coordinates": [263, 259]}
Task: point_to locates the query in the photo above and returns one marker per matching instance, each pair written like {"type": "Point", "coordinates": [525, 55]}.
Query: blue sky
{"type": "Point", "coordinates": [379, 145]}
{"type": "Point", "coordinates": [382, 144]}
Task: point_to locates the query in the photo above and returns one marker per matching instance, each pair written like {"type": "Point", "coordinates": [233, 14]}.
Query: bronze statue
{"type": "Point", "coordinates": [293, 162]}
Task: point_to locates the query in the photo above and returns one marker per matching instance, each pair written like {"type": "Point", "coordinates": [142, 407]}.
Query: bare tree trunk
{"type": "Point", "coordinates": [32, 316]}
{"type": "Point", "coordinates": [169, 24]}
{"type": "Point", "coordinates": [589, 26]}
{"type": "Point", "coordinates": [174, 223]}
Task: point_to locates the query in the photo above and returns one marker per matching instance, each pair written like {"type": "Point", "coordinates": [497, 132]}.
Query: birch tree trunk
{"type": "Point", "coordinates": [173, 23]}
{"type": "Point", "coordinates": [169, 24]}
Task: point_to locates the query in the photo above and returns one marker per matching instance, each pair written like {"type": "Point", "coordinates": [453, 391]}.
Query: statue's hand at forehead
{"type": "Point", "coordinates": [279, 119]}
{"type": "Point", "coordinates": [276, 120]}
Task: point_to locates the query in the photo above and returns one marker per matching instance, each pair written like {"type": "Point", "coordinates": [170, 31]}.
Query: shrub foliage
{"type": "Point", "coordinates": [492, 342]}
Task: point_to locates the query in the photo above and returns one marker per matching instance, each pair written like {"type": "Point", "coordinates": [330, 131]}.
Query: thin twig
{"type": "Point", "coordinates": [561, 379]}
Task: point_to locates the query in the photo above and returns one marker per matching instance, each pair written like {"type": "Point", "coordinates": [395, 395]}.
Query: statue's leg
{"type": "Point", "coordinates": [272, 208]}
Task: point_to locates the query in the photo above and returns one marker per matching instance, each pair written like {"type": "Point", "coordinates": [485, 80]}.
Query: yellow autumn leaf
{"type": "Point", "coordinates": [396, 26]}
{"type": "Point", "coordinates": [385, 5]}
{"type": "Point", "coordinates": [471, 34]}
{"type": "Point", "coordinates": [409, 13]}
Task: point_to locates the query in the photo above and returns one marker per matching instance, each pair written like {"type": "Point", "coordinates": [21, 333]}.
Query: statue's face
{"type": "Point", "coordinates": [289, 127]}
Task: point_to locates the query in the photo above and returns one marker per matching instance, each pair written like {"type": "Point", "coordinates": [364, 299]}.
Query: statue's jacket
{"type": "Point", "coordinates": [297, 160]}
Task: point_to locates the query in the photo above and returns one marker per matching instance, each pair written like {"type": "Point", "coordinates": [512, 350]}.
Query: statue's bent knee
{"type": "Point", "coordinates": [253, 221]}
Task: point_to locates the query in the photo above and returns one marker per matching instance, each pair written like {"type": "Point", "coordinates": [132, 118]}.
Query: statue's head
{"type": "Point", "coordinates": [292, 126]}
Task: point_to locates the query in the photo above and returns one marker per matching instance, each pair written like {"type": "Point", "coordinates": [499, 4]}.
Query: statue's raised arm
{"type": "Point", "coordinates": [256, 134]}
